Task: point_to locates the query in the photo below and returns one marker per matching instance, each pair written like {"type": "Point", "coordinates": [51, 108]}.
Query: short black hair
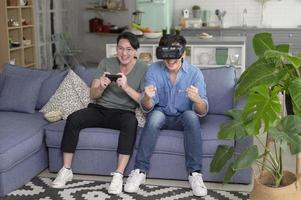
{"type": "Point", "coordinates": [170, 40]}
{"type": "Point", "coordinates": [132, 38]}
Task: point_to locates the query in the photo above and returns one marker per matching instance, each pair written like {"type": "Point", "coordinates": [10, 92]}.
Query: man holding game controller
{"type": "Point", "coordinates": [116, 91]}
{"type": "Point", "coordinates": [175, 98]}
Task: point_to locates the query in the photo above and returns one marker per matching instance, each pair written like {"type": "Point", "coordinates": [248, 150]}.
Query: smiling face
{"type": "Point", "coordinates": [173, 65]}
{"type": "Point", "coordinates": [125, 52]}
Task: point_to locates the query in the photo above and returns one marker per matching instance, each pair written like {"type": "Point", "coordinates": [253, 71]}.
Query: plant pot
{"type": "Point", "coordinates": [291, 189]}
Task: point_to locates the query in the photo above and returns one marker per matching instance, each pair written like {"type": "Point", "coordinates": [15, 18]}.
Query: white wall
{"type": "Point", "coordinates": [284, 13]}
{"type": "Point", "coordinates": [279, 13]}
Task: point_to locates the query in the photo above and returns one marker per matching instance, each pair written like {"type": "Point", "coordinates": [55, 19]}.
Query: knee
{"type": "Point", "coordinates": [191, 119]}
{"type": "Point", "coordinates": [155, 119]}
{"type": "Point", "coordinates": [190, 115]}
{"type": "Point", "coordinates": [73, 118]}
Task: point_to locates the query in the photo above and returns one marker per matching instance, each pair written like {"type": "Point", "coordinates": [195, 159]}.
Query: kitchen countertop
{"type": "Point", "coordinates": [242, 28]}
{"type": "Point", "coordinates": [196, 40]}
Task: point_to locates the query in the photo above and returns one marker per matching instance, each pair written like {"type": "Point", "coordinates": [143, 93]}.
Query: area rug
{"type": "Point", "coordinates": [38, 189]}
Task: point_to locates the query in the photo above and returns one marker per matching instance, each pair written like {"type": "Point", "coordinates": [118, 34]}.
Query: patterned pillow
{"type": "Point", "coordinates": [140, 115]}
{"type": "Point", "coordinates": [71, 95]}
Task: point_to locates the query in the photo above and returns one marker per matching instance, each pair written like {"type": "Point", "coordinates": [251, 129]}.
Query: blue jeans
{"type": "Point", "coordinates": [157, 120]}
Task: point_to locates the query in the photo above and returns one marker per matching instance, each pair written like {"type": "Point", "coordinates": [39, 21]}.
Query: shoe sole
{"type": "Point", "coordinates": [63, 186]}
{"type": "Point", "coordinates": [114, 192]}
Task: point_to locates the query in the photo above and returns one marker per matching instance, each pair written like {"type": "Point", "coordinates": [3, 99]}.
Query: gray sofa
{"type": "Point", "coordinates": [25, 136]}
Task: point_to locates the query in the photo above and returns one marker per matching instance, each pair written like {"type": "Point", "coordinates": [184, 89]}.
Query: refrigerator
{"type": "Point", "coordinates": [157, 14]}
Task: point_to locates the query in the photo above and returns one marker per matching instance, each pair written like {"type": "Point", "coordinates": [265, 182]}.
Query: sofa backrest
{"type": "Point", "coordinates": [220, 83]}
{"type": "Point", "coordinates": [87, 74]}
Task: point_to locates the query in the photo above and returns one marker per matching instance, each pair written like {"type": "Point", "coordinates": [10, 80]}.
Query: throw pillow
{"type": "Point", "coordinates": [140, 115]}
{"type": "Point", "coordinates": [66, 98]}
{"type": "Point", "coordinates": [20, 92]}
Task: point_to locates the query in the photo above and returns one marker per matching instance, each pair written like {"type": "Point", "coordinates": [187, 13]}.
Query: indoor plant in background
{"type": "Point", "coordinates": [196, 11]}
{"type": "Point", "coordinates": [276, 72]}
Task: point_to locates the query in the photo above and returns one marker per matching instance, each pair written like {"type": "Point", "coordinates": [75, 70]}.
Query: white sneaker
{"type": "Point", "coordinates": [116, 183]}
{"type": "Point", "coordinates": [134, 180]}
{"type": "Point", "coordinates": [197, 185]}
{"type": "Point", "coordinates": [63, 176]}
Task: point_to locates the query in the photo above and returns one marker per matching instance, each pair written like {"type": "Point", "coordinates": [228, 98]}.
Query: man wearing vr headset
{"type": "Point", "coordinates": [175, 98]}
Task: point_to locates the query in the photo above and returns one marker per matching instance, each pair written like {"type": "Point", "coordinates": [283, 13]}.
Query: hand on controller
{"type": "Point", "coordinates": [113, 77]}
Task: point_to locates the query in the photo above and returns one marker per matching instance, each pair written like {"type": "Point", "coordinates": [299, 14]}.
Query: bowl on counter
{"type": "Point", "coordinates": [152, 35]}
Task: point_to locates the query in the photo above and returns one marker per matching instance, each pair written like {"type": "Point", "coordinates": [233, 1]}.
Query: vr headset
{"type": "Point", "coordinates": [171, 52]}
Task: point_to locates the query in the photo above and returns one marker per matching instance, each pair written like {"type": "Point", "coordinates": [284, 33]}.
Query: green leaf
{"type": "Point", "coordinates": [228, 175]}
{"type": "Point", "coordinates": [233, 129]}
{"type": "Point", "coordinates": [262, 42]}
{"type": "Point", "coordinates": [283, 48]}
{"type": "Point", "coordinates": [246, 158]}
{"type": "Point", "coordinates": [295, 147]}
{"type": "Point", "coordinates": [222, 154]}
{"type": "Point", "coordinates": [287, 131]}
{"type": "Point", "coordinates": [261, 72]}
{"type": "Point", "coordinates": [264, 106]}
{"type": "Point", "coordinates": [296, 61]}
{"type": "Point", "coordinates": [294, 89]}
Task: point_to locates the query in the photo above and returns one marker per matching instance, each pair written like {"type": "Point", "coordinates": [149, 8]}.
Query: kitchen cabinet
{"type": "Point", "coordinates": [199, 52]}
{"type": "Point", "coordinates": [291, 36]}
{"type": "Point", "coordinates": [196, 32]}
{"type": "Point", "coordinates": [17, 33]}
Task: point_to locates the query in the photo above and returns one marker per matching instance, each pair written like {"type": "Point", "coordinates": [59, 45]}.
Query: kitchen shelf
{"type": "Point", "coordinates": [23, 55]}
{"type": "Point", "coordinates": [105, 33]}
{"type": "Point", "coordinates": [100, 9]}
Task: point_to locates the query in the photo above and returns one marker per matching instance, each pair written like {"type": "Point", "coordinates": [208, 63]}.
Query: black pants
{"type": "Point", "coordinates": [99, 116]}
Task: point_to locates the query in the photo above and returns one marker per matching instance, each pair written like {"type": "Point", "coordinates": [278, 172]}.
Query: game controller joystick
{"type": "Point", "coordinates": [113, 77]}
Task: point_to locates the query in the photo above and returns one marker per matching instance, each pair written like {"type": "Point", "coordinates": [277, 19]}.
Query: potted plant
{"type": "Point", "coordinates": [196, 11]}
{"type": "Point", "coordinates": [275, 73]}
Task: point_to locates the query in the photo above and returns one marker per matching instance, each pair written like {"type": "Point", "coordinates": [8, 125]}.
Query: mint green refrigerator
{"type": "Point", "coordinates": [157, 14]}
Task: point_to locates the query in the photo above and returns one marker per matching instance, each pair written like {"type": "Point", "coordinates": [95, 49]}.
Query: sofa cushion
{"type": "Point", "coordinates": [20, 92]}
{"type": "Point", "coordinates": [220, 83]}
{"type": "Point", "coordinates": [21, 135]}
{"type": "Point", "coordinates": [169, 141]}
{"type": "Point", "coordinates": [49, 86]}
{"type": "Point", "coordinates": [22, 71]}
{"type": "Point", "coordinates": [87, 74]}
{"type": "Point", "coordinates": [72, 95]}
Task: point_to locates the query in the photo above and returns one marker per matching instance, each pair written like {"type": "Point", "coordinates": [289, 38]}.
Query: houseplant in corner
{"type": "Point", "coordinates": [274, 73]}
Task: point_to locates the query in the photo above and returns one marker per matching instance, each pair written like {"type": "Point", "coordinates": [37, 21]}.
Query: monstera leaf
{"type": "Point", "coordinates": [288, 131]}
{"type": "Point", "coordinates": [264, 106]}
{"type": "Point", "coordinates": [262, 42]}
{"type": "Point", "coordinates": [294, 89]}
{"type": "Point", "coordinates": [233, 129]}
{"type": "Point", "coordinates": [261, 72]}
{"type": "Point", "coordinates": [222, 154]}
{"type": "Point", "coordinates": [244, 160]}
{"type": "Point", "coordinates": [296, 61]}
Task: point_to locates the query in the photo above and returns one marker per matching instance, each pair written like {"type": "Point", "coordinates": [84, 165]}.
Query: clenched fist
{"type": "Point", "coordinates": [193, 93]}
{"type": "Point", "coordinates": [150, 91]}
